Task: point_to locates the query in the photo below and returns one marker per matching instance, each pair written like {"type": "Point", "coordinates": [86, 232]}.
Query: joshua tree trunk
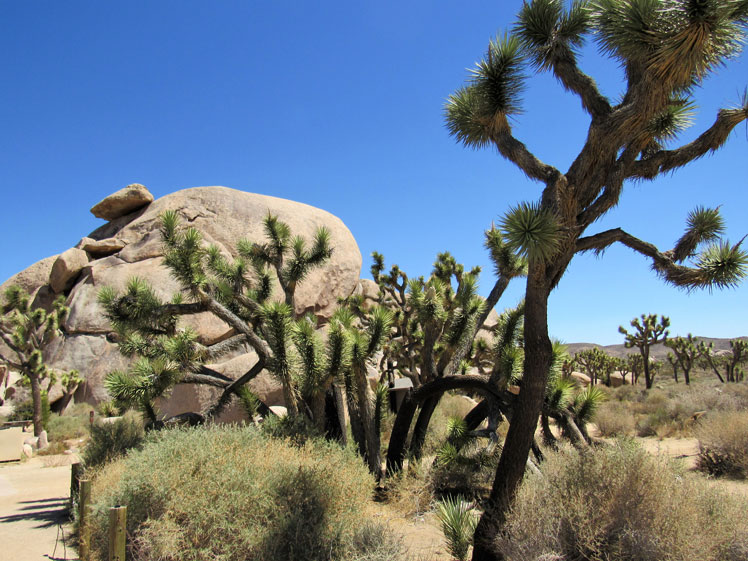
{"type": "Point", "coordinates": [366, 415]}
{"type": "Point", "coordinates": [422, 425]}
{"type": "Point", "coordinates": [36, 399]}
{"type": "Point", "coordinates": [519, 439]}
{"type": "Point", "coordinates": [647, 378]}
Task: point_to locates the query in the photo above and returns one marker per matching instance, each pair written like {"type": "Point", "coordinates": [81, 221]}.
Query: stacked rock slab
{"type": "Point", "coordinates": [129, 245]}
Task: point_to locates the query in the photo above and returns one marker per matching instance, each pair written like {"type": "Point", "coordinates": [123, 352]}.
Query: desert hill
{"type": "Point", "coordinates": [658, 351]}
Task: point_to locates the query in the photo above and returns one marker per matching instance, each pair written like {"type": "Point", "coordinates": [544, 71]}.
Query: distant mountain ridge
{"type": "Point", "coordinates": [658, 351]}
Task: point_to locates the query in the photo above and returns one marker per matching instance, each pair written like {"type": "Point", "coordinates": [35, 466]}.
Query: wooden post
{"type": "Point", "coordinates": [75, 470]}
{"type": "Point", "coordinates": [84, 534]}
{"type": "Point", "coordinates": [117, 533]}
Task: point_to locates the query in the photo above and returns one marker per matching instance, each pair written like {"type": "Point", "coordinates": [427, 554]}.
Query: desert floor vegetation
{"type": "Point", "coordinates": [618, 502]}
{"type": "Point", "coordinates": [228, 492]}
{"type": "Point", "coordinates": [669, 409]}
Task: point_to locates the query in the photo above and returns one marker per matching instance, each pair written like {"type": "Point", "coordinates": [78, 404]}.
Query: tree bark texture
{"type": "Point", "coordinates": [36, 399]}
{"type": "Point", "coordinates": [519, 440]}
{"type": "Point", "coordinates": [422, 425]}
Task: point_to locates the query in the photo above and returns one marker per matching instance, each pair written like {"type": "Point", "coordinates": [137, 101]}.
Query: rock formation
{"type": "Point", "coordinates": [129, 245]}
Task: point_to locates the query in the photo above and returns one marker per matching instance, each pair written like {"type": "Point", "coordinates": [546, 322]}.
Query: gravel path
{"type": "Point", "coordinates": [34, 498]}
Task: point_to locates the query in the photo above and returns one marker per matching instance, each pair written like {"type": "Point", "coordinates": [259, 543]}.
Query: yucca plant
{"type": "Point", "coordinates": [458, 523]}
{"type": "Point", "coordinates": [666, 48]}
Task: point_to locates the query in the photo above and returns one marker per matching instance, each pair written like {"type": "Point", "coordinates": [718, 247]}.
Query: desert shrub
{"type": "Point", "coordinates": [298, 429]}
{"type": "Point", "coordinates": [450, 406]}
{"type": "Point", "coordinates": [112, 439]}
{"type": "Point", "coordinates": [614, 419]}
{"type": "Point", "coordinates": [723, 443]}
{"type": "Point", "coordinates": [409, 490]}
{"type": "Point", "coordinates": [73, 424]}
{"type": "Point", "coordinates": [233, 493]}
{"type": "Point", "coordinates": [619, 503]}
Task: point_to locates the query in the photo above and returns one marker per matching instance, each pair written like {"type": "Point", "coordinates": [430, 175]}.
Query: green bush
{"type": "Point", "coordinates": [723, 443]}
{"type": "Point", "coordinates": [619, 503]}
{"type": "Point", "coordinates": [232, 493]}
{"type": "Point", "coordinates": [112, 439]}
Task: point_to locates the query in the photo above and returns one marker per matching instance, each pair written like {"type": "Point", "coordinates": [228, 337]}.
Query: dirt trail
{"type": "Point", "coordinates": [33, 509]}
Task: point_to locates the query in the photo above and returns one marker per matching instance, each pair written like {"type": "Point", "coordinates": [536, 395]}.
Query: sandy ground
{"type": "Point", "coordinates": [34, 499]}
{"type": "Point", "coordinates": [421, 534]}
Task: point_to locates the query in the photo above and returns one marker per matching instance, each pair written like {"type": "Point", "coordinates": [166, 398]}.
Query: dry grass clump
{"type": "Point", "coordinates": [613, 418]}
{"type": "Point", "coordinates": [619, 503]}
{"type": "Point", "coordinates": [232, 493]}
{"type": "Point", "coordinates": [723, 443]}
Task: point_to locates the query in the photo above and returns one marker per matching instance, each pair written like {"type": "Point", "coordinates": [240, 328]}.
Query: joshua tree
{"type": "Point", "coordinates": [597, 364]}
{"type": "Point", "coordinates": [26, 331]}
{"type": "Point", "coordinates": [436, 325]}
{"type": "Point", "coordinates": [686, 353]}
{"type": "Point", "coordinates": [666, 49]}
{"type": "Point", "coordinates": [731, 364]}
{"type": "Point", "coordinates": [647, 332]}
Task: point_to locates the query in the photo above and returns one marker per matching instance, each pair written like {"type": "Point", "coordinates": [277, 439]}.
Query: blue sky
{"type": "Point", "coordinates": [338, 105]}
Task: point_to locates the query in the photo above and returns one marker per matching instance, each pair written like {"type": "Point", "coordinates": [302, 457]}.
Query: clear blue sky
{"type": "Point", "coordinates": [334, 104]}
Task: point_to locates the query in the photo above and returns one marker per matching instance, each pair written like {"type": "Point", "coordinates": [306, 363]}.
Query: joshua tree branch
{"type": "Point", "coordinates": [205, 380]}
{"type": "Point", "coordinates": [663, 263]}
{"type": "Point", "coordinates": [517, 153]}
{"type": "Point", "coordinates": [214, 351]}
{"type": "Point", "coordinates": [9, 341]}
{"type": "Point", "coordinates": [183, 309]}
{"type": "Point", "coordinates": [612, 191]}
{"type": "Point", "coordinates": [260, 346]}
{"type": "Point", "coordinates": [573, 79]}
{"type": "Point", "coordinates": [712, 139]}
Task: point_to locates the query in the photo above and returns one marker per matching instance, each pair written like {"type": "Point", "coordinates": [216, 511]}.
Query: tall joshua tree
{"type": "Point", "coordinates": [647, 332]}
{"type": "Point", "coordinates": [26, 330]}
{"type": "Point", "coordinates": [666, 48]}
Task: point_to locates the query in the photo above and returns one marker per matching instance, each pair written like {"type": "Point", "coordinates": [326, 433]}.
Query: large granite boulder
{"type": "Point", "coordinates": [66, 269]}
{"type": "Point", "coordinates": [122, 202]}
{"type": "Point", "coordinates": [130, 245]}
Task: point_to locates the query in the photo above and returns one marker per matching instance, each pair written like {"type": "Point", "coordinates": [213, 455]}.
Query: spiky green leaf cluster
{"type": "Point", "coordinates": [722, 265]}
{"type": "Point", "coordinates": [477, 113]}
{"type": "Point", "coordinates": [531, 232]}
{"type": "Point", "coordinates": [506, 261]}
{"type": "Point", "coordinates": [679, 41]}
{"type": "Point", "coordinates": [549, 32]}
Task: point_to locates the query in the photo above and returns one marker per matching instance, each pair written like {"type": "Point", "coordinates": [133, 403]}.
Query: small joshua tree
{"type": "Point", "coordinates": [686, 353]}
{"type": "Point", "coordinates": [647, 332]}
{"type": "Point", "coordinates": [730, 364]}
{"type": "Point", "coordinates": [597, 364]}
{"type": "Point", "coordinates": [26, 331]}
